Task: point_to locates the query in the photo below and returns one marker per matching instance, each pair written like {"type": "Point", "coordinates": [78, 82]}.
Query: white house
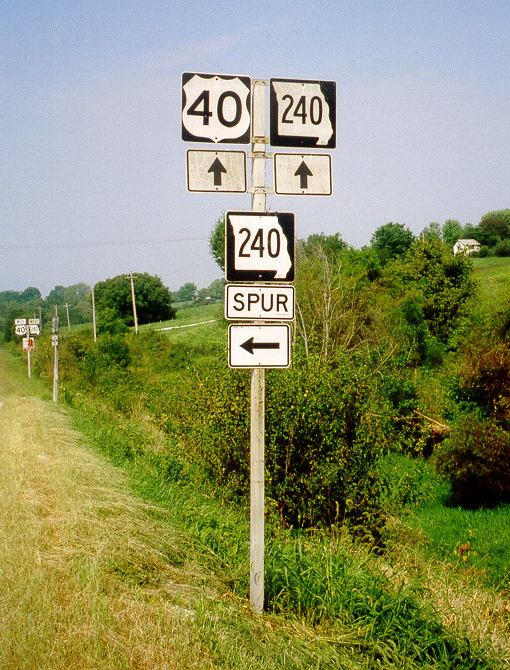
{"type": "Point", "coordinates": [467, 247]}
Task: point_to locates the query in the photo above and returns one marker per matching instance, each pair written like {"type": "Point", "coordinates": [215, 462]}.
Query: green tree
{"type": "Point", "coordinates": [496, 224]}
{"type": "Point", "coordinates": [30, 294]}
{"type": "Point", "coordinates": [452, 231]}
{"type": "Point", "coordinates": [432, 232]}
{"type": "Point", "coordinates": [335, 298]}
{"type": "Point", "coordinates": [217, 242]}
{"type": "Point", "coordinates": [153, 299]}
{"type": "Point", "coordinates": [186, 293]}
{"type": "Point", "coordinates": [392, 240]}
{"type": "Point", "coordinates": [441, 282]}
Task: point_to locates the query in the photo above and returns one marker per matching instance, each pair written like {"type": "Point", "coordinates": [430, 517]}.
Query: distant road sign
{"type": "Point", "coordinates": [20, 330]}
{"type": "Point", "coordinates": [20, 322]}
{"type": "Point", "coordinates": [216, 108]}
{"type": "Point", "coordinates": [302, 113]}
{"type": "Point", "coordinates": [302, 174]}
{"type": "Point", "coordinates": [252, 302]}
{"type": "Point", "coordinates": [28, 344]}
{"type": "Point", "coordinates": [259, 246]}
{"type": "Point", "coordinates": [54, 340]}
{"type": "Point", "coordinates": [266, 346]}
{"type": "Point", "coordinates": [220, 171]}
{"type": "Point", "coordinates": [33, 322]}
{"type": "Point", "coordinates": [34, 329]}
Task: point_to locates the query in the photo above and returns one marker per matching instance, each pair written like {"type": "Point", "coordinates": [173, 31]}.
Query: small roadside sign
{"type": "Point", "coordinates": [259, 246]}
{"type": "Point", "coordinates": [20, 330]}
{"type": "Point", "coordinates": [265, 302]}
{"type": "Point", "coordinates": [28, 344]}
{"type": "Point", "coordinates": [20, 322]}
{"type": "Point", "coordinates": [302, 113]}
{"type": "Point", "coordinates": [54, 340]}
{"type": "Point", "coordinates": [216, 108]}
{"type": "Point", "coordinates": [216, 171]}
{"type": "Point", "coordinates": [302, 174]}
{"type": "Point", "coordinates": [265, 346]}
{"type": "Point", "coordinates": [33, 322]}
{"type": "Point", "coordinates": [34, 329]}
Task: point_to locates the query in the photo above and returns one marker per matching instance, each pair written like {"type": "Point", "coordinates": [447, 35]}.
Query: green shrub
{"type": "Point", "coordinates": [323, 441]}
{"type": "Point", "coordinates": [485, 379]}
{"type": "Point", "coordinates": [476, 459]}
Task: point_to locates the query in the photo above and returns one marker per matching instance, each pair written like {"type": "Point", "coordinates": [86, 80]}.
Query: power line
{"type": "Point", "coordinates": [117, 243]}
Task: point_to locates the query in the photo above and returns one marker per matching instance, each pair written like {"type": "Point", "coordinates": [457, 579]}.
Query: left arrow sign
{"type": "Point", "coordinates": [252, 346]}
{"type": "Point", "coordinates": [216, 171]}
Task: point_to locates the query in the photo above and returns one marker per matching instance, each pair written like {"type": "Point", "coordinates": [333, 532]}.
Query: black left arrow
{"type": "Point", "coordinates": [250, 345]}
{"type": "Point", "coordinates": [303, 172]}
{"type": "Point", "coordinates": [217, 168]}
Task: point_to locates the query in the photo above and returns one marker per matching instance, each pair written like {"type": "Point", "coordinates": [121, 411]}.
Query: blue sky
{"type": "Point", "coordinates": [92, 166]}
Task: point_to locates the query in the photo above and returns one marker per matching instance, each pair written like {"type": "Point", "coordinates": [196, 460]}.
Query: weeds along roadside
{"type": "Point", "coordinates": [322, 579]}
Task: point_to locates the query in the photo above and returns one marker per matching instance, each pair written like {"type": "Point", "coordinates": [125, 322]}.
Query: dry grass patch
{"type": "Point", "coordinates": [90, 577]}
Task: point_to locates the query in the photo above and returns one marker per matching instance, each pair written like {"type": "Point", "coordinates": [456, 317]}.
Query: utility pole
{"type": "Point", "coordinates": [94, 314]}
{"type": "Point", "coordinates": [54, 341]}
{"type": "Point", "coordinates": [68, 321]}
{"type": "Point", "coordinates": [132, 277]}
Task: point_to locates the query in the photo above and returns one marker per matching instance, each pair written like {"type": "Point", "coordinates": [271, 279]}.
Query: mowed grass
{"type": "Point", "coordinates": [493, 275]}
{"type": "Point", "coordinates": [200, 328]}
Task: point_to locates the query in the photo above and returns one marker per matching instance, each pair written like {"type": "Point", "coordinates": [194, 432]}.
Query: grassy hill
{"type": "Point", "coordinates": [493, 276]}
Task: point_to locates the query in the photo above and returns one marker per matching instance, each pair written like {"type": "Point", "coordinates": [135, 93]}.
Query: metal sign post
{"type": "Point", "coordinates": [258, 378]}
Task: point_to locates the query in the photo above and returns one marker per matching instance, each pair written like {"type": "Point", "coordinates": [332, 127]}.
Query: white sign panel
{"type": "Point", "coordinates": [28, 344]}
{"type": "Point", "coordinates": [302, 174]}
{"type": "Point", "coordinates": [34, 329]}
{"type": "Point", "coordinates": [251, 302]}
{"type": "Point", "coordinates": [216, 108]}
{"type": "Point", "coordinates": [259, 246]}
{"type": "Point", "coordinates": [20, 330]}
{"type": "Point", "coordinates": [54, 340]}
{"type": "Point", "coordinates": [33, 322]}
{"type": "Point", "coordinates": [220, 171]}
{"type": "Point", "coordinates": [20, 322]}
{"type": "Point", "coordinates": [302, 113]}
{"type": "Point", "coordinates": [266, 346]}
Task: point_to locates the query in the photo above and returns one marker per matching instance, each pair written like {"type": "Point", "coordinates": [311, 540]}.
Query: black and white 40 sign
{"type": "Point", "coordinates": [216, 108]}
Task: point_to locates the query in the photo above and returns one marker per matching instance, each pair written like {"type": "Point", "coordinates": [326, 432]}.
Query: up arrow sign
{"type": "Point", "coordinates": [303, 172]}
{"type": "Point", "coordinates": [313, 170]}
{"type": "Point", "coordinates": [217, 168]}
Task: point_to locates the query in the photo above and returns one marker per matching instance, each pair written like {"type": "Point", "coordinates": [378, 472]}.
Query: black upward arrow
{"type": "Point", "coordinates": [250, 345]}
{"type": "Point", "coordinates": [217, 168]}
{"type": "Point", "coordinates": [303, 172]}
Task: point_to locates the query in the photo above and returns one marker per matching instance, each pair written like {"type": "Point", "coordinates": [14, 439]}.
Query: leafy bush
{"type": "Point", "coordinates": [476, 459]}
{"type": "Point", "coordinates": [323, 441]}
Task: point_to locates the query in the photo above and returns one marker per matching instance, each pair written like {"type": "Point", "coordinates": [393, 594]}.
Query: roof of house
{"type": "Point", "coordinates": [468, 242]}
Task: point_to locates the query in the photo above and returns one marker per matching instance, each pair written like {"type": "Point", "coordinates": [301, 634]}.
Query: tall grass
{"type": "Point", "coordinates": [312, 578]}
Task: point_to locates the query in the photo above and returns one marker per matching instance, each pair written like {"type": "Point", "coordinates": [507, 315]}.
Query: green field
{"type": "Point", "coordinates": [493, 276]}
